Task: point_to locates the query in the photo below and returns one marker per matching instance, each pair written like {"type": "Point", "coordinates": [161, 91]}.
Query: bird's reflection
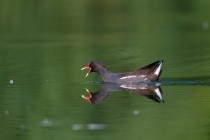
{"type": "Point", "coordinates": [151, 91]}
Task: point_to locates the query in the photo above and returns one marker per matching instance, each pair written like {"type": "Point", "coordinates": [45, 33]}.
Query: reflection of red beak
{"type": "Point", "coordinates": [88, 99]}
{"type": "Point", "coordinates": [87, 67]}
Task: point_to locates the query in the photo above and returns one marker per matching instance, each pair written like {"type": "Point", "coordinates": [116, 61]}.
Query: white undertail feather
{"type": "Point", "coordinates": [157, 71]}
{"type": "Point", "coordinates": [157, 91]}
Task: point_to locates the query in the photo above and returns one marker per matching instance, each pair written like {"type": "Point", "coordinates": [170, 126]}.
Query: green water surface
{"type": "Point", "coordinates": [44, 44]}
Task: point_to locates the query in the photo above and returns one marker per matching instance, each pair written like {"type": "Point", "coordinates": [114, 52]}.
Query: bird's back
{"type": "Point", "coordinates": [147, 73]}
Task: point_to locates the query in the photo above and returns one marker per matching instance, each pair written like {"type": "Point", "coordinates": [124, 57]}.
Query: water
{"type": "Point", "coordinates": [43, 46]}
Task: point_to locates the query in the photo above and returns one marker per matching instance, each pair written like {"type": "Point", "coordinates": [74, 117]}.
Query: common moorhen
{"type": "Point", "coordinates": [148, 73]}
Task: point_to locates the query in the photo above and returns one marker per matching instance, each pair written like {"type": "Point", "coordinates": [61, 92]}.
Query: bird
{"type": "Point", "coordinates": [148, 73]}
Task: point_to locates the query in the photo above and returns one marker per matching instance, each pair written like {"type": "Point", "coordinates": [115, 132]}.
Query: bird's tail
{"type": "Point", "coordinates": [154, 70]}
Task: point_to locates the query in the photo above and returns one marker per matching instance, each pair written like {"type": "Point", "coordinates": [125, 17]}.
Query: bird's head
{"type": "Point", "coordinates": [92, 66]}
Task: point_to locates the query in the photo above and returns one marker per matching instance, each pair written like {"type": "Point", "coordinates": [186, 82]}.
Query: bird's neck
{"type": "Point", "coordinates": [105, 74]}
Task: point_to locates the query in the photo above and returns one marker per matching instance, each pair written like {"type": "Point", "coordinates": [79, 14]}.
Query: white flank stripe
{"type": "Point", "coordinates": [133, 76]}
{"type": "Point", "coordinates": [133, 87]}
{"type": "Point", "coordinates": [142, 76]}
{"type": "Point", "coordinates": [157, 72]}
{"type": "Point", "coordinates": [128, 77]}
{"type": "Point", "coordinates": [157, 91]}
{"type": "Point", "coordinates": [128, 87]}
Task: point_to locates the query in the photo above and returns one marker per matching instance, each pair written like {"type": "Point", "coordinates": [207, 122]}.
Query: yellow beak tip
{"type": "Point", "coordinates": [87, 90]}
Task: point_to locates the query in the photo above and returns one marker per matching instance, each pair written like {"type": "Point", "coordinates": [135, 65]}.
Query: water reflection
{"type": "Point", "coordinates": [151, 91]}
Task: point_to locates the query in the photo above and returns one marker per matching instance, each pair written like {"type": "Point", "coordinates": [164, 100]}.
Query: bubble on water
{"type": "Point", "coordinates": [205, 25]}
{"type": "Point", "coordinates": [95, 126]}
{"type": "Point", "coordinates": [22, 126]}
{"type": "Point", "coordinates": [6, 112]}
{"type": "Point", "coordinates": [77, 127]}
{"type": "Point", "coordinates": [11, 81]}
{"type": "Point", "coordinates": [136, 112]}
{"type": "Point", "coordinates": [46, 122]}
{"type": "Point", "coordinates": [91, 127]}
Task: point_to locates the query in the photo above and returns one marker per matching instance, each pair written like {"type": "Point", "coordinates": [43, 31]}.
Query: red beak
{"type": "Point", "coordinates": [87, 67]}
{"type": "Point", "coordinates": [88, 99]}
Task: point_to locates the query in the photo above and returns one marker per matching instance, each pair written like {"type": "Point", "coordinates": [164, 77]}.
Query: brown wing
{"type": "Point", "coordinates": [148, 69]}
